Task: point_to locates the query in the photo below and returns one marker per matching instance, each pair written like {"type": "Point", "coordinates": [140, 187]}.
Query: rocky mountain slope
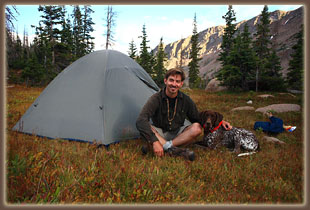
{"type": "Point", "coordinates": [284, 25]}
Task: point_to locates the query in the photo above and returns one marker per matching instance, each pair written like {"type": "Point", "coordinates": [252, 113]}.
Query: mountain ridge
{"type": "Point", "coordinates": [284, 25]}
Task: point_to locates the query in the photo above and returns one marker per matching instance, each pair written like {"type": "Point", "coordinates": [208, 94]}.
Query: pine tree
{"type": "Point", "coordinates": [273, 79]}
{"type": "Point", "coordinates": [194, 80]}
{"type": "Point", "coordinates": [58, 43]}
{"type": "Point", "coordinates": [247, 60]}
{"type": "Point", "coordinates": [65, 46]}
{"type": "Point", "coordinates": [228, 36]}
{"type": "Point", "coordinates": [40, 60]}
{"type": "Point", "coordinates": [132, 50]}
{"type": "Point", "coordinates": [43, 52]}
{"type": "Point", "coordinates": [296, 64]}
{"type": "Point", "coordinates": [10, 15]}
{"type": "Point", "coordinates": [25, 46]}
{"type": "Point", "coordinates": [226, 72]}
{"type": "Point", "coordinates": [34, 72]}
{"type": "Point", "coordinates": [82, 27]}
{"type": "Point", "coordinates": [48, 35]}
{"type": "Point", "coordinates": [41, 46]}
{"type": "Point", "coordinates": [18, 64]}
{"type": "Point", "coordinates": [240, 71]}
{"type": "Point", "coordinates": [262, 45]}
{"type": "Point", "coordinates": [51, 18]}
{"type": "Point", "coordinates": [47, 38]}
{"type": "Point", "coordinates": [87, 29]}
{"type": "Point", "coordinates": [159, 69]}
{"type": "Point", "coordinates": [79, 47]}
{"type": "Point", "coordinates": [145, 58]}
{"type": "Point", "coordinates": [152, 63]}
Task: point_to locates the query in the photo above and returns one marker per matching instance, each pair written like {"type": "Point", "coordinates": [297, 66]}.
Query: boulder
{"type": "Point", "coordinates": [288, 94]}
{"type": "Point", "coordinates": [279, 108]}
{"type": "Point", "coordinates": [265, 96]}
{"type": "Point", "coordinates": [295, 91]}
{"type": "Point", "coordinates": [273, 139]}
{"type": "Point", "coordinates": [214, 86]}
{"type": "Point", "coordinates": [242, 108]}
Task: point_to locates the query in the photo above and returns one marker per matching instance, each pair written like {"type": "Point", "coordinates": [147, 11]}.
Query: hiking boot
{"type": "Point", "coordinates": [290, 128]}
{"type": "Point", "coordinates": [144, 149]}
{"type": "Point", "coordinates": [201, 144]}
{"type": "Point", "coordinates": [186, 153]}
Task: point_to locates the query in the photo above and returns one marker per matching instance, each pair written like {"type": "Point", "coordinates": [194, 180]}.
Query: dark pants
{"type": "Point", "coordinates": [274, 127]}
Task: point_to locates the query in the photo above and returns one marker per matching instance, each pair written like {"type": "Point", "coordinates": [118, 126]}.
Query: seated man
{"type": "Point", "coordinates": [167, 110]}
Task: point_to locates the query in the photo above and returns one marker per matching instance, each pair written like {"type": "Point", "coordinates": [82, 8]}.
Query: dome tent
{"type": "Point", "coordinates": [96, 98]}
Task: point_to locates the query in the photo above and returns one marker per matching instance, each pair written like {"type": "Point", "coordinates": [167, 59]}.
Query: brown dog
{"type": "Point", "coordinates": [215, 135]}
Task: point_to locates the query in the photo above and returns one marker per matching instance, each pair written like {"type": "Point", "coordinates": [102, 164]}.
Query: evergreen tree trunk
{"type": "Point", "coordinates": [256, 79]}
{"type": "Point", "coordinates": [110, 22]}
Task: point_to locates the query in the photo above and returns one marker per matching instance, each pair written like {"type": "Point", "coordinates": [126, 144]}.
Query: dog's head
{"type": "Point", "coordinates": [209, 120]}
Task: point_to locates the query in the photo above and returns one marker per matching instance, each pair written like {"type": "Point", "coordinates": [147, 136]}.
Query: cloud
{"type": "Point", "coordinates": [125, 34]}
{"type": "Point", "coordinates": [99, 37]}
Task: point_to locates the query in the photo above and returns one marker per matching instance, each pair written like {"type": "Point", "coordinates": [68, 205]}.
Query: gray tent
{"type": "Point", "coordinates": [97, 98]}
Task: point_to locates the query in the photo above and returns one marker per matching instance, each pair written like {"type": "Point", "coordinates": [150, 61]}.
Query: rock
{"type": "Point", "coordinates": [279, 108]}
{"type": "Point", "coordinates": [295, 91]}
{"type": "Point", "coordinates": [272, 139]}
{"type": "Point", "coordinates": [242, 108]}
{"type": "Point", "coordinates": [265, 96]}
{"type": "Point", "coordinates": [288, 94]}
{"type": "Point", "coordinates": [214, 86]}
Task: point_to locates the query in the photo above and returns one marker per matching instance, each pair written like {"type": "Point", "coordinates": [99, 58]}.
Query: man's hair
{"type": "Point", "coordinates": [175, 71]}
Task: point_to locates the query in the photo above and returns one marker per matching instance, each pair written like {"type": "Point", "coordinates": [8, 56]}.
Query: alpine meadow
{"type": "Point", "coordinates": [237, 69]}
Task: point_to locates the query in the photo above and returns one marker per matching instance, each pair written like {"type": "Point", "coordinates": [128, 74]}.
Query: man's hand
{"type": "Point", "coordinates": [158, 148]}
{"type": "Point", "coordinates": [226, 125]}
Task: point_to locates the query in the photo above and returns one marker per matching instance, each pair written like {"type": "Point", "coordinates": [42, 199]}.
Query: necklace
{"type": "Point", "coordinates": [174, 112]}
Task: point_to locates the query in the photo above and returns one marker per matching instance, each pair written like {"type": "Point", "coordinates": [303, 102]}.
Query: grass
{"type": "Point", "coordinates": [43, 171]}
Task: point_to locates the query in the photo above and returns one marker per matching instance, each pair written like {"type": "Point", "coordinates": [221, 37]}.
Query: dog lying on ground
{"type": "Point", "coordinates": [215, 135]}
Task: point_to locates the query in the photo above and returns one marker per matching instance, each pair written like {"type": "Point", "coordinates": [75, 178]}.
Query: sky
{"type": "Point", "coordinates": [172, 22]}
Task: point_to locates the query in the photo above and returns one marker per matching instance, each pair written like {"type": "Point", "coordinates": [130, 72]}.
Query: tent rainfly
{"type": "Point", "coordinates": [96, 99]}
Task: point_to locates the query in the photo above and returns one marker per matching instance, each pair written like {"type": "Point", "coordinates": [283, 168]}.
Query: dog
{"type": "Point", "coordinates": [215, 135]}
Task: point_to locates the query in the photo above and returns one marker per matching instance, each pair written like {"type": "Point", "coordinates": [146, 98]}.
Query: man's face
{"type": "Point", "coordinates": [173, 84]}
